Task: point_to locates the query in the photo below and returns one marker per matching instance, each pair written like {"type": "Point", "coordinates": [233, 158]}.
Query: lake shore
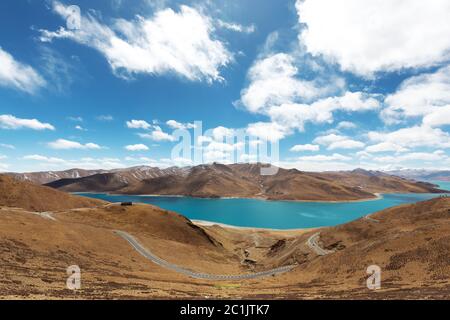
{"type": "Point", "coordinates": [378, 196]}
{"type": "Point", "coordinates": [203, 223]}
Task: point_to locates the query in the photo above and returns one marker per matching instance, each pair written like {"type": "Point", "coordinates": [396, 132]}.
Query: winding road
{"type": "Point", "coordinates": [312, 243]}
{"type": "Point", "coordinates": [170, 266]}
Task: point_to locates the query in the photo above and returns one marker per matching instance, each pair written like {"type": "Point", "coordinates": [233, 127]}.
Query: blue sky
{"type": "Point", "coordinates": [337, 85]}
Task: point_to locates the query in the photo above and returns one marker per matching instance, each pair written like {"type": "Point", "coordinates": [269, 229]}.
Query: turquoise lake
{"type": "Point", "coordinates": [269, 214]}
{"type": "Point", "coordinates": [445, 185]}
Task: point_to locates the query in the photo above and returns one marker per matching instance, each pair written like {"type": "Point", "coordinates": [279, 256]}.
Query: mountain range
{"type": "Point", "coordinates": [422, 174]}
{"type": "Point", "coordinates": [234, 180]}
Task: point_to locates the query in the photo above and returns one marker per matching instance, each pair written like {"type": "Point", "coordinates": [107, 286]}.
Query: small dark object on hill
{"type": "Point", "coordinates": [126, 204]}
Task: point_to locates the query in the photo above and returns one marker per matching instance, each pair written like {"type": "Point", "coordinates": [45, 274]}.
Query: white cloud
{"type": "Point", "coordinates": [376, 35]}
{"type": "Point", "coordinates": [419, 96]}
{"type": "Point", "coordinates": [236, 27]}
{"type": "Point", "coordinates": [417, 136]}
{"type": "Point", "coordinates": [157, 135]}
{"type": "Point", "coordinates": [334, 141]}
{"type": "Point", "coordinates": [346, 144]}
{"type": "Point", "coordinates": [136, 147]}
{"type": "Point", "coordinates": [138, 124]}
{"type": "Point", "coordinates": [8, 121]}
{"type": "Point", "coordinates": [320, 157]}
{"type": "Point", "coordinates": [273, 82]}
{"type": "Point", "coordinates": [346, 125]}
{"type": "Point", "coordinates": [75, 119]}
{"type": "Point", "coordinates": [7, 146]}
{"type": "Point", "coordinates": [17, 75]}
{"type": "Point", "coordinates": [220, 133]}
{"type": "Point", "coordinates": [177, 42]}
{"type": "Point", "coordinates": [276, 91]}
{"type": "Point", "coordinates": [439, 117]}
{"type": "Point", "coordinates": [62, 144]}
{"type": "Point", "coordinates": [329, 139]}
{"type": "Point", "coordinates": [221, 152]}
{"type": "Point", "coordinates": [177, 125]}
{"type": "Point", "coordinates": [305, 147]}
{"type": "Point", "coordinates": [321, 111]}
{"type": "Point", "coordinates": [105, 117]}
{"type": "Point", "coordinates": [80, 128]}
{"type": "Point", "coordinates": [269, 131]}
{"type": "Point", "coordinates": [386, 147]}
{"type": "Point", "coordinates": [414, 156]}
{"type": "Point", "coordinates": [38, 157]}
{"type": "Point", "coordinates": [46, 163]}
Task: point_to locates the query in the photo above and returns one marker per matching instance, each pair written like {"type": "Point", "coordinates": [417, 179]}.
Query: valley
{"type": "Point", "coordinates": [410, 243]}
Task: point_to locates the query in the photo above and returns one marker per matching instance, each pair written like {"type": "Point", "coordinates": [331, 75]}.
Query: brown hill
{"type": "Point", "coordinates": [202, 181]}
{"type": "Point", "coordinates": [102, 182]}
{"type": "Point", "coordinates": [410, 243]}
{"type": "Point", "coordinates": [44, 177]}
{"type": "Point", "coordinates": [27, 195]}
{"type": "Point", "coordinates": [245, 180]}
{"type": "Point", "coordinates": [129, 175]}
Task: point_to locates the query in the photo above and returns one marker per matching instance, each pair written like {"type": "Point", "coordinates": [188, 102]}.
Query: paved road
{"type": "Point", "coordinates": [312, 243]}
{"type": "Point", "coordinates": [367, 217]}
{"type": "Point", "coordinates": [167, 265]}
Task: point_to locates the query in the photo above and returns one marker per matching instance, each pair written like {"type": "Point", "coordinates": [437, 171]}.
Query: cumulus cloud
{"type": "Point", "coordinates": [221, 152]}
{"type": "Point", "coordinates": [305, 147]}
{"type": "Point", "coordinates": [386, 147]}
{"type": "Point", "coordinates": [17, 75]}
{"type": "Point", "coordinates": [321, 111]}
{"type": "Point", "coordinates": [334, 141]}
{"type": "Point", "coordinates": [273, 82]}
{"type": "Point", "coordinates": [321, 157]}
{"type": "Point", "coordinates": [369, 36]}
{"type": "Point", "coordinates": [419, 96]}
{"type": "Point", "coordinates": [169, 42]}
{"type": "Point", "coordinates": [438, 117]}
{"type": "Point", "coordinates": [158, 135]}
{"type": "Point", "coordinates": [437, 155]}
{"type": "Point", "coordinates": [138, 124]}
{"type": "Point", "coordinates": [411, 137]}
{"type": "Point", "coordinates": [136, 147]}
{"type": "Point", "coordinates": [177, 125]}
{"type": "Point", "coordinates": [8, 121]}
{"type": "Point", "coordinates": [269, 131]}
{"type": "Point", "coordinates": [63, 144]}
{"type": "Point", "coordinates": [346, 125]}
{"type": "Point", "coordinates": [220, 133]}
